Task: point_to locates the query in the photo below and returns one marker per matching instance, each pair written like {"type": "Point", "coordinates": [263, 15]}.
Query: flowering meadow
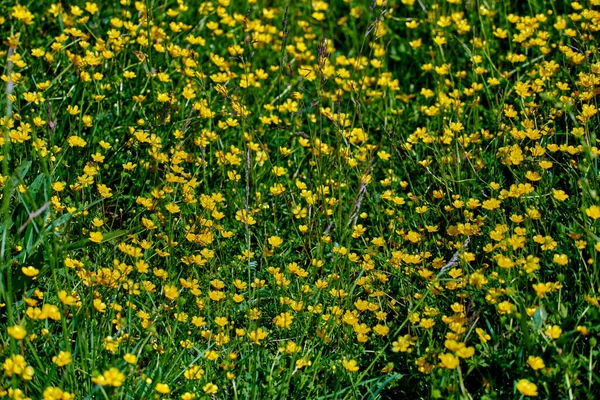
{"type": "Point", "coordinates": [337, 199]}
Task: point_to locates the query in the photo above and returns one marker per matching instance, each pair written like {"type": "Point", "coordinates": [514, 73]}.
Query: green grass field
{"type": "Point", "coordinates": [259, 199]}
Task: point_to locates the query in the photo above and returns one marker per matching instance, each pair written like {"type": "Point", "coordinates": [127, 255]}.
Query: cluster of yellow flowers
{"type": "Point", "coordinates": [341, 189]}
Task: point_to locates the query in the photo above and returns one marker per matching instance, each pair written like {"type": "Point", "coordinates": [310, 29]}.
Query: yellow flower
{"type": "Point", "coordinates": [96, 237]}
{"type": "Point", "coordinates": [58, 186]}
{"type": "Point", "coordinates": [527, 388]}
{"type": "Point", "coordinates": [112, 377]}
{"type": "Point", "coordinates": [303, 362]}
{"type": "Point", "coordinates": [163, 97]}
{"type": "Point", "coordinates": [22, 14]}
{"type": "Point", "coordinates": [51, 393]}
{"type": "Point", "coordinates": [284, 320]}
{"type": "Point", "coordinates": [162, 388]}
{"type": "Point", "coordinates": [257, 335]}
{"type": "Point", "coordinates": [210, 388]}
{"type": "Point", "coordinates": [99, 305]}
{"type": "Point", "coordinates": [593, 212]}
{"type": "Point", "coordinates": [76, 141]}
{"type": "Point", "coordinates": [403, 344]}
{"type": "Point", "coordinates": [243, 217]}
{"type": "Point", "coordinates": [171, 292]}
{"type": "Point", "coordinates": [17, 332]}
{"type": "Point", "coordinates": [559, 195]}
{"type": "Point", "coordinates": [63, 358]}
{"type": "Point", "coordinates": [448, 360]}
{"type": "Point", "coordinates": [30, 271]}
{"type": "Point", "coordinates": [130, 358]}
{"type": "Point", "coordinates": [173, 208]}
{"type": "Point", "coordinates": [129, 166]}
{"type": "Point", "coordinates": [466, 352]}
{"type": "Point", "coordinates": [73, 110]}
{"type": "Point", "coordinates": [491, 204]}
{"type": "Point", "coordinates": [275, 241]}
{"type": "Point", "coordinates": [15, 364]}
{"type": "Point", "coordinates": [193, 372]}
{"type": "Point", "coordinates": [535, 362]}
{"type": "Point", "coordinates": [350, 365]}
{"type": "Point", "coordinates": [554, 331]}
{"type": "Point", "coordinates": [358, 231]}
{"type": "Point", "coordinates": [561, 259]}
{"type": "Point", "coordinates": [66, 299]}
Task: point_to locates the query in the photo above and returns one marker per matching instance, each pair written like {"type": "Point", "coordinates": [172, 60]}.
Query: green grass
{"type": "Point", "coordinates": [344, 199]}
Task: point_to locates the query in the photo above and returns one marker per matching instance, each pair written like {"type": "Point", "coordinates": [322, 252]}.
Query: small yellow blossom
{"type": "Point", "coordinates": [448, 360]}
{"type": "Point", "coordinates": [535, 362]}
{"type": "Point", "coordinates": [554, 331]}
{"type": "Point", "coordinates": [527, 388]}
{"type": "Point", "coordinates": [96, 237]}
{"type": "Point", "coordinates": [17, 332]}
{"type": "Point", "coordinates": [350, 366]}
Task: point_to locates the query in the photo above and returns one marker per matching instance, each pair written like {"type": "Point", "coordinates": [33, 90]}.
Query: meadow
{"type": "Point", "coordinates": [344, 199]}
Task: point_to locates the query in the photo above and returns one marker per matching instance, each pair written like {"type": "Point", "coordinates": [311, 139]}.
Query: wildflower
{"type": "Point", "coordinates": [505, 307]}
{"type": "Point", "coordinates": [561, 259]}
{"type": "Point", "coordinates": [491, 204]}
{"type": "Point", "coordinates": [243, 217]}
{"type": "Point", "coordinates": [559, 195]}
{"type": "Point", "coordinates": [535, 362]}
{"type": "Point", "coordinates": [587, 112]}
{"type": "Point", "coordinates": [17, 332]}
{"type": "Point", "coordinates": [171, 292]}
{"type": "Point", "coordinates": [63, 358]}
{"type": "Point", "coordinates": [73, 110]}
{"type": "Point", "coordinates": [583, 330]}
{"type": "Point", "coordinates": [350, 366]}
{"type": "Point", "coordinates": [358, 231]}
{"type": "Point", "coordinates": [275, 241]}
{"type": "Point", "coordinates": [30, 271]}
{"type": "Point", "coordinates": [284, 320]}
{"type": "Point", "coordinates": [22, 14]}
{"type": "Point", "coordinates": [99, 305]}
{"type": "Point", "coordinates": [194, 372]}
{"type": "Point", "coordinates": [527, 388]}
{"type": "Point", "coordinates": [162, 388]}
{"type": "Point", "coordinates": [58, 186]}
{"type": "Point", "coordinates": [465, 352]}
{"type": "Point", "coordinates": [130, 358]}
{"type": "Point", "coordinates": [54, 393]}
{"type": "Point", "coordinates": [15, 364]}
{"type": "Point", "coordinates": [593, 212]}
{"type": "Point", "coordinates": [76, 141]}
{"type": "Point", "coordinates": [303, 362]}
{"type": "Point", "coordinates": [96, 237]}
{"type": "Point", "coordinates": [210, 388]}
{"type": "Point", "coordinates": [111, 377]}
{"type": "Point", "coordinates": [554, 331]}
{"type": "Point", "coordinates": [403, 344]}
{"type": "Point", "coordinates": [448, 360]}
{"type": "Point", "coordinates": [66, 299]}
{"type": "Point", "coordinates": [257, 335]}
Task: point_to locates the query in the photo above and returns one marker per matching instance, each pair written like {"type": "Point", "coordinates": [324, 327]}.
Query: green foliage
{"type": "Point", "coordinates": [310, 199]}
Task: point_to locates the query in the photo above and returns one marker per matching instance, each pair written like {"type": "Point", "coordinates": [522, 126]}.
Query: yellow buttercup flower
{"type": "Point", "coordinates": [593, 212]}
{"type": "Point", "coordinates": [535, 362]}
{"type": "Point", "coordinates": [448, 360]}
{"type": "Point", "coordinates": [17, 332]}
{"type": "Point", "coordinates": [527, 388]}
{"type": "Point", "coordinates": [96, 237]}
{"type": "Point", "coordinates": [350, 366]}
